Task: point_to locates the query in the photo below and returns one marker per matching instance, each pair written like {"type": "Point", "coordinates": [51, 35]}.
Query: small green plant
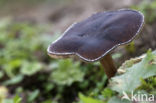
{"type": "Point", "coordinates": [67, 72]}
{"type": "Point", "coordinates": [18, 41]}
{"type": "Point", "coordinates": [21, 47]}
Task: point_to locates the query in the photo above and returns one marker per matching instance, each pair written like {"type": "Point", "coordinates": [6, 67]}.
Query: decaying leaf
{"type": "Point", "coordinates": [135, 70]}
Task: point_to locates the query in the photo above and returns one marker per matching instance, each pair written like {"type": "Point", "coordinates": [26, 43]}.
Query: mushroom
{"type": "Point", "coordinates": [94, 38]}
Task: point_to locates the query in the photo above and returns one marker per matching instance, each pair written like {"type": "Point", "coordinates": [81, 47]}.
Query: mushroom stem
{"type": "Point", "coordinates": [109, 67]}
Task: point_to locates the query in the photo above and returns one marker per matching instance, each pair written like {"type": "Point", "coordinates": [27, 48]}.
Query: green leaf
{"type": "Point", "coordinates": [30, 68]}
{"type": "Point", "coordinates": [17, 99]}
{"type": "Point", "coordinates": [12, 66]}
{"type": "Point", "coordinates": [1, 74]}
{"type": "Point", "coordinates": [14, 80]}
{"type": "Point", "coordinates": [85, 99]}
{"type": "Point", "coordinates": [131, 79]}
{"type": "Point", "coordinates": [67, 72]}
{"type": "Point", "coordinates": [107, 93]}
{"type": "Point", "coordinates": [32, 96]}
{"type": "Point", "coordinates": [118, 100]}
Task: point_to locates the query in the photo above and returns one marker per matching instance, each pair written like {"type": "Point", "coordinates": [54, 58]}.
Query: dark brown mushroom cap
{"type": "Point", "coordinates": [96, 36]}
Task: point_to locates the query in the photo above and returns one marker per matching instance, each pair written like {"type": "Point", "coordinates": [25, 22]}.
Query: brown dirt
{"type": "Point", "coordinates": [60, 14]}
